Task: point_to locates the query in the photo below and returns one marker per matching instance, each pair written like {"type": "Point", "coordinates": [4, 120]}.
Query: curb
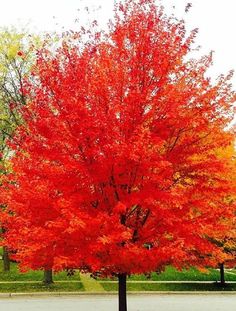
{"type": "Point", "coordinates": [112, 293]}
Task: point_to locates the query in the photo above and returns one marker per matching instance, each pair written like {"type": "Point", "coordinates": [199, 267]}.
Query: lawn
{"type": "Point", "coordinates": [15, 275]}
{"type": "Point", "coordinates": [32, 281]}
{"type": "Point", "coordinates": [171, 274]}
{"type": "Point", "coordinates": [39, 287]}
{"type": "Point", "coordinates": [170, 287]}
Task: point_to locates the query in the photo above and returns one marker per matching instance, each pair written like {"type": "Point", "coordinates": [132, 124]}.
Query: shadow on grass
{"type": "Point", "coordinates": [171, 287]}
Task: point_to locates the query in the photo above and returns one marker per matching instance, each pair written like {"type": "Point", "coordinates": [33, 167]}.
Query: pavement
{"type": "Point", "coordinates": [146, 302]}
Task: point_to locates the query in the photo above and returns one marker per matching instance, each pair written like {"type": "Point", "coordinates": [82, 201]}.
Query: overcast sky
{"type": "Point", "coordinates": [214, 18]}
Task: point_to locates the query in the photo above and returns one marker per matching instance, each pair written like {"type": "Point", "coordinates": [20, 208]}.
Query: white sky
{"type": "Point", "coordinates": [214, 18]}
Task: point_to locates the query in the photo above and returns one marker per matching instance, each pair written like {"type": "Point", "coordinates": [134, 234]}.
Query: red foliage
{"type": "Point", "coordinates": [117, 170]}
{"type": "Point", "coordinates": [20, 53]}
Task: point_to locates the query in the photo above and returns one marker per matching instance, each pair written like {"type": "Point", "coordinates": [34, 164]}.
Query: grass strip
{"type": "Point", "coordinates": [40, 287]}
{"type": "Point", "coordinates": [171, 287]}
{"type": "Point", "coordinates": [192, 274]}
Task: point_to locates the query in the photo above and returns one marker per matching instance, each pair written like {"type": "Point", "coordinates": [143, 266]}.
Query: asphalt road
{"type": "Point", "coordinates": [211, 302]}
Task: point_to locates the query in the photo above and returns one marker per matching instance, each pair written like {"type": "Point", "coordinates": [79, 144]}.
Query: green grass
{"type": "Point", "coordinates": [171, 274]}
{"type": "Point", "coordinates": [15, 275]}
{"type": "Point", "coordinates": [39, 287]}
{"type": "Point", "coordinates": [170, 287]}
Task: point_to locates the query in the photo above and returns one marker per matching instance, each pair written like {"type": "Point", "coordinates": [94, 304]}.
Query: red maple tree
{"type": "Point", "coordinates": [117, 171]}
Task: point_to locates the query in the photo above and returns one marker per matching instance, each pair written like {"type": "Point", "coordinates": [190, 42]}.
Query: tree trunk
{"type": "Point", "coordinates": [122, 292]}
{"type": "Point", "coordinates": [222, 274]}
{"type": "Point", "coordinates": [47, 279]}
{"type": "Point", "coordinates": [6, 259]}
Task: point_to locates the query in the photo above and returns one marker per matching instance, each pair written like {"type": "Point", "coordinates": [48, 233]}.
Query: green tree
{"type": "Point", "coordinates": [17, 54]}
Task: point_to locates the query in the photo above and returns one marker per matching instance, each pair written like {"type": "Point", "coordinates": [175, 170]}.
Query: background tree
{"type": "Point", "coordinates": [16, 58]}
{"type": "Point", "coordinates": [15, 61]}
{"type": "Point", "coordinates": [227, 238]}
{"type": "Point", "coordinates": [17, 55]}
{"type": "Point", "coordinates": [127, 180]}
